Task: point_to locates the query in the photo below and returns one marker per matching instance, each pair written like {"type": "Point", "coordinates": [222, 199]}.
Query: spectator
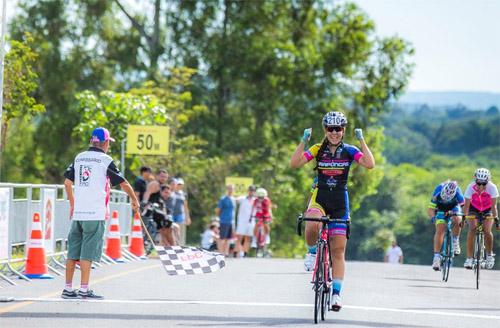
{"type": "Point", "coordinates": [91, 173]}
{"type": "Point", "coordinates": [181, 210]}
{"type": "Point", "coordinates": [394, 254]}
{"type": "Point", "coordinates": [245, 222]}
{"type": "Point", "coordinates": [225, 211]}
{"type": "Point", "coordinates": [142, 180]}
{"type": "Point", "coordinates": [152, 193]}
{"type": "Point", "coordinates": [169, 230]}
{"type": "Point", "coordinates": [210, 236]}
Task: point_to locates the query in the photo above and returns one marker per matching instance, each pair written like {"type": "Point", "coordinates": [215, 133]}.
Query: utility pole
{"type": "Point", "coordinates": [2, 55]}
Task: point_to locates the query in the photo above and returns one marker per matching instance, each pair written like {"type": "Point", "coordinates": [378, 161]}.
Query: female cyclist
{"type": "Point", "coordinates": [329, 197]}
{"type": "Point", "coordinates": [481, 198]}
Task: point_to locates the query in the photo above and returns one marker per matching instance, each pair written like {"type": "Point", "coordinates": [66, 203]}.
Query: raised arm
{"type": "Point", "coordinates": [298, 159]}
{"type": "Point", "coordinates": [367, 160]}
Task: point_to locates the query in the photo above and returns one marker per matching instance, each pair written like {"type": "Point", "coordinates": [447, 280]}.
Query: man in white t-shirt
{"type": "Point", "coordinates": [87, 183]}
{"type": "Point", "coordinates": [394, 254]}
{"type": "Point", "coordinates": [245, 222]}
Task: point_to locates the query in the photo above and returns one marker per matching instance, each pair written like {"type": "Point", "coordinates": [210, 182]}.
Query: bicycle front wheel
{"type": "Point", "coordinates": [325, 298]}
{"type": "Point", "coordinates": [478, 257]}
{"type": "Point", "coordinates": [446, 261]}
{"type": "Point", "coordinates": [318, 283]}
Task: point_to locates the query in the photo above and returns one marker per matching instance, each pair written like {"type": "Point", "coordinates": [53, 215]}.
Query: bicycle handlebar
{"type": "Point", "coordinates": [323, 219]}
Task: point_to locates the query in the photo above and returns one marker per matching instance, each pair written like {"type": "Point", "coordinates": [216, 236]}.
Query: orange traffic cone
{"type": "Point", "coordinates": [137, 242]}
{"type": "Point", "coordinates": [113, 241]}
{"type": "Point", "coordinates": [36, 267]}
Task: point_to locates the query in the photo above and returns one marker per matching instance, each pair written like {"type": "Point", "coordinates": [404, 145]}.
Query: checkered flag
{"type": "Point", "coordinates": [184, 260]}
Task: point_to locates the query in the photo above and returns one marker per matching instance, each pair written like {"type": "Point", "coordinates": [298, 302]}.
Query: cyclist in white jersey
{"type": "Point", "coordinates": [481, 198]}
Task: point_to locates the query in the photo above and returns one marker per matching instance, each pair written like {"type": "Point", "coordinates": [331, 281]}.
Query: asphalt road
{"type": "Point", "coordinates": [256, 293]}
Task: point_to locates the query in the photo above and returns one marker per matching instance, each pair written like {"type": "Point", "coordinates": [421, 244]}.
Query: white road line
{"type": "Point", "coordinates": [353, 307]}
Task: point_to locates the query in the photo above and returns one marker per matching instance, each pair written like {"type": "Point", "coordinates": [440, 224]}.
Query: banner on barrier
{"type": "Point", "coordinates": [4, 222]}
{"type": "Point", "coordinates": [49, 201]}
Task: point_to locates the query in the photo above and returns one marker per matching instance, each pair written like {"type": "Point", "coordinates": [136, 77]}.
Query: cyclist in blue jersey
{"type": "Point", "coordinates": [447, 197]}
{"type": "Point", "coordinates": [329, 197]}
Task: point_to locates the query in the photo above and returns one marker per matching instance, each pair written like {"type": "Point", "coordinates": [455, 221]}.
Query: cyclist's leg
{"type": "Point", "coordinates": [456, 226]}
{"type": "Point", "coordinates": [168, 236]}
{"type": "Point", "coordinates": [267, 227]}
{"type": "Point", "coordinates": [456, 222]}
{"type": "Point", "coordinates": [337, 250]}
{"type": "Point", "coordinates": [439, 235]}
{"type": "Point", "coordinates": [471, 233]}
{"type": "Point", "coordinates": [314, 210]}
{"type": "Point", "coordinates": [256, 227]}
{"type": "Point", "coordinates": [488, 236]}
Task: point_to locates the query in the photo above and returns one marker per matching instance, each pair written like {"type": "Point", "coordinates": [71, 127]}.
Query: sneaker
{"type": "Point", "coordinates": [456, 248]}
{"type": "Point", "coordinates": [69, 294]}
{"type": "Point", "coordinates": [490, 262]}
{"type": "Point", "coordinates": [436, 263]}
{"type": "Point", "coordinates": [336, 303]}
{"type": "Point", "coordinates": [89, 294]}
{"type": "Point", "coordinates": [309, 262]}
{"type": "Point", "coordinates": [468, 264]}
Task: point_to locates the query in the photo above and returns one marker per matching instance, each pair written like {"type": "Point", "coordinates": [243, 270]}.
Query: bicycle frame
{"type": "Point", "coordinates": [447, 251]}
{"type": "Point", "coordinates": [323, 269]}
{"type": "Point", "coordinates": [261, 237]}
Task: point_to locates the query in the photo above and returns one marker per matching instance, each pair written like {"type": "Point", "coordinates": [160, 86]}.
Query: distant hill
{"type": "Point", "coordinates": [471, 100]}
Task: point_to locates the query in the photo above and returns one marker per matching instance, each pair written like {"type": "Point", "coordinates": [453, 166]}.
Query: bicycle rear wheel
{"type": "Point", "coordinates": [318, 283]}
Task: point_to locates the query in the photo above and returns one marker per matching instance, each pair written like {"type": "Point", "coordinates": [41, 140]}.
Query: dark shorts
{"type": "Point", "coordinates": [85, 240]}
{"type": "Point", "coordinates": [477, 213]}
{"type": "Point", "coordinates": [336, 205]}
{"type": "Point", "coordinates": [226, 230]}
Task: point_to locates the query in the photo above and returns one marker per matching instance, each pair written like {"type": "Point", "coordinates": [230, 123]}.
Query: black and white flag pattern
{"type": "Point", "coordinates": [184, 260]}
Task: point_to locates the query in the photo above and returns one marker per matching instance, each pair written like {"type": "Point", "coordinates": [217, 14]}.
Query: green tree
{"type": "Point", "coordinates": [19, 86]}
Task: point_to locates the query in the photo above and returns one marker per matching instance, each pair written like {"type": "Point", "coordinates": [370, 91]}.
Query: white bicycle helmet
{"type": "Point", "coordinates": [449, 190]}
{"type": "Point", "coordinates": [334, 119]}
{"type": "Point", "coordinates": [261, 192]}
{"type": "Point", "coordinates": [482, 175]}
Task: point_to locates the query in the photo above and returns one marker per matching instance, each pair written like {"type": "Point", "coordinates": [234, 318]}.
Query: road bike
{"type": "Point", "coordinates": [322, 274]}
{"type": "Point", "coordinates": [479, 260]}
{"type": "Point", "coordinates": [447, 250]}
{"type": "Point", "coordinates": [260, 238]}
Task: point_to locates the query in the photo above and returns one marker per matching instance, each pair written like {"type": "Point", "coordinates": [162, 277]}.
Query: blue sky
{"type": "Point", "coordinates": [457, 42]}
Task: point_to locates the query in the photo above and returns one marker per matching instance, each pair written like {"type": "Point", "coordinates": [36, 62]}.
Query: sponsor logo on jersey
{"type": "Point", "coordinates": [85, 173]}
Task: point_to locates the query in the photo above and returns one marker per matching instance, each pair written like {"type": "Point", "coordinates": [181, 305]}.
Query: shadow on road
{"type": "Point", "coordinates": [202, 321]}
{"type": "Point", "coordinates": [409, 279]}
{"type": "Point", "coordinates": [445, 287]}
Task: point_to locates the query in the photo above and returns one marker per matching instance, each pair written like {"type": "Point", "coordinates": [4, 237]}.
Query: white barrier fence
{"type": "Point", "coordinates": [18, 203]}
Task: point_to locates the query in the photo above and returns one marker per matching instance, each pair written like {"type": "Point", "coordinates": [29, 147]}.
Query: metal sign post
{"type": "Point", "coordinates": [122, 157]}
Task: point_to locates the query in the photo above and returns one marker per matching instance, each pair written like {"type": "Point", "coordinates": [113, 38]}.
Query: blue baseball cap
{"type": "Point", "coordinates": [100, 135]}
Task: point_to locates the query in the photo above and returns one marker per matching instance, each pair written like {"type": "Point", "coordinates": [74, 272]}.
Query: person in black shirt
{"type": "Point", "coordinates": [141, 181]}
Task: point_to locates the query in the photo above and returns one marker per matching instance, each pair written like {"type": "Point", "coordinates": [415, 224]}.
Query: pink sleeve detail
{"type": "Point", "coordinates": [357, 156]}
{"type": "Point", "coordinates": [308, 155]}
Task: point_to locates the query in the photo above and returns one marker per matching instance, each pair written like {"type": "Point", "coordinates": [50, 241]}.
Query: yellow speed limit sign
{"type": "Point", "coordinates": [240, 185]}
{"type": "Point", "coordinates": [147, 140]}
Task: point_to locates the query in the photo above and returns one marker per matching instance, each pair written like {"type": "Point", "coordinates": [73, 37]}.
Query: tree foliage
{"type": "Point", "coordinates": [259, 73]}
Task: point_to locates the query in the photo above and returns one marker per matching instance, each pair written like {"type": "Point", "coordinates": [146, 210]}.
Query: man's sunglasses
{"type": "Point", "coordinates": [334, 128]}
{"type": "Point", "coordinates": [481, 183]}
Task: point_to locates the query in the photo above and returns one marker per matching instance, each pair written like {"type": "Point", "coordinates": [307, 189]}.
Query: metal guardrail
{"type": "Point", "coordinates": [26, 199]}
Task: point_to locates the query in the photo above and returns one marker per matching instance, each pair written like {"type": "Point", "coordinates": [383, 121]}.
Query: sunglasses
{"type": "Point", "coordinates": [334, 128]}
{"type": "Point", "coordinates": [481, 183]}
